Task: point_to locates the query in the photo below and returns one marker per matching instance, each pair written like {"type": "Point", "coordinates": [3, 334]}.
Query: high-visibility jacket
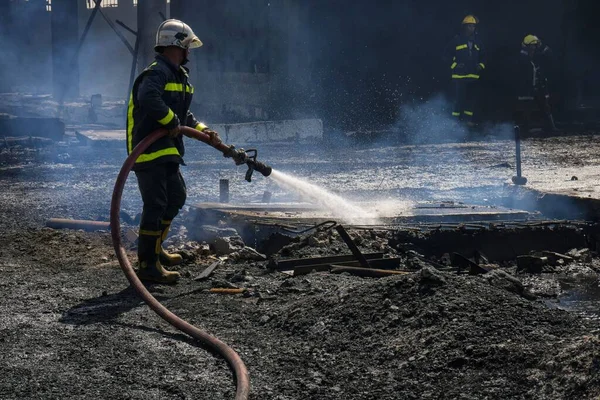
{"type": "Point", "coordinates": [160, 98]}
{"type": "Point", "coordinates": [532, 73]}
{"type": "Point", "coordinates": [465, 56]}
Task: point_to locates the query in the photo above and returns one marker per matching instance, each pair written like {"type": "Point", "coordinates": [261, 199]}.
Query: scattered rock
{"type": "Point", "coordinates": [504, 280]}
{"type": "Point", "coordinates": [247, 253]}
{"type": "Point", "coordinates": [502, 165]}
{"type": "Point", "coordinates": [187, 255]}
{"type": "Point", "coordinates": [583, 255]}
{"type": "Point", "coordinates": [531, 264]}
{"type": "Point", "coordinates": [314, 242]}
{"type": "Point", "coordinates": [555, 259]}
{"type": "Point", "coordinates": [431, 275]}
{"type": "Point", "coordinates": [221, 283]}
{"type": "Point", "coordinates": [227, 245]}
{"type": "Point", "coordinates": [209, 233]}
{"type": "Point", "coordinates": [203, 250]}
{"type": "Point", "coordinates": [239, 276]}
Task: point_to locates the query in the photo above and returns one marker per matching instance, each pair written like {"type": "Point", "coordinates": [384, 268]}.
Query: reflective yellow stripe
{"type": "Point", "coordinates": [469, 113]}
{"type": "Point", "coordinates": [201, 126]}
{"type": "Point", "coordinates": [158, 247]}
{"type": "Point", "coordinates": [165, 222]}
{"type": "Point", "coordinates": [456, 114]}
{"type": "Point", "coordinates": [169, 151]}
{"type": "Point", "coordinates": [168, 118]}
{"type": "Point", "coordinates": [482, 65]}
{"type": "Point", "coordinates": [474, 76]}
{"type": "Point", "coordinates": [150, 233]}
{"type": "Point", "coordinates": [178, 87]}
{"type": "Point", "coordinates": [130, 124]}
{"type": "Point", "coordinates": [453, 65]}
{"type": "Point", "coordinates": [460, 47]}
{"type": "Point", "coordinates": [174, 87]}
{"type": "Point", "coordinates": [477, 48]}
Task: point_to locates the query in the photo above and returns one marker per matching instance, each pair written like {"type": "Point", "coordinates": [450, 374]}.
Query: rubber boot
{"type": "Point", "coordinates": [165, 257]}
{"type": "Point", "coordinates": [150, 268]}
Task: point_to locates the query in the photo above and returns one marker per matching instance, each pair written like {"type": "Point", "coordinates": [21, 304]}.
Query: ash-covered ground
{"type": "Point", "coordinates": [72, 327]}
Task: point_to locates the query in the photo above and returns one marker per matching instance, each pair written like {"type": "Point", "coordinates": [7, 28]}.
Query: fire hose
{"type": "Point", "coordinates": [240, 156]}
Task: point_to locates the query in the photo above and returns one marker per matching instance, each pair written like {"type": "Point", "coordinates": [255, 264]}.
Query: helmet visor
{"type": "Point", "coordinates": [194, 43]}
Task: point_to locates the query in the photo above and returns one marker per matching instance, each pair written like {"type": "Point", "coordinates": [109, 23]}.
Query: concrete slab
{"type": "Point", "coordinates": [287, 131]}
{"type": "Point", "coordinates": [563, 178]}
{"type": "Point", "coordinates": [50, 128]}
{"type": "Point", "coordinates": [105, 137]}
{"type": "Point", "coordinates": [304, 213]}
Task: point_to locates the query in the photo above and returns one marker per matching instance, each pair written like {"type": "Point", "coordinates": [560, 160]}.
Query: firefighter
{"type": "Point", "coordinates": [160, 98]}
{"type": "Point", "coordinates": [466, 58]}
{"type": "Point", "coordinates": [533, 67]}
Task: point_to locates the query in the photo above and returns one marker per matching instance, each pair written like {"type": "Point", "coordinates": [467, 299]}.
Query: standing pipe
{"type": "Point", "coordinates": [234, 360]}
{"type": "Point", "coordinates": [518, 180]}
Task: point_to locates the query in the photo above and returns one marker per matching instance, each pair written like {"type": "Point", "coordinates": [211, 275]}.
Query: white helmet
{"type": "Point", "coordinates": [174, 32]}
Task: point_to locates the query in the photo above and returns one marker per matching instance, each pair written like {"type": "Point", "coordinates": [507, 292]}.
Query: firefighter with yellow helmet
{"type": "Point", "coordinates": [161, 98]}
{"type": "Point", "coordinates": [465, 57]}
{"type": "Point", "coordinates": [534, 63]}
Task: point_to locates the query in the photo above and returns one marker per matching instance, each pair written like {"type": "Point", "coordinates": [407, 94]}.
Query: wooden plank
{"type": "Point", "coordinates": [298, 262]}
{"type": "Point", "coordinates": [366, 272]}
{"type": "Point", "coordinates": [382, 263]}
{"type": "Point", "coordinates": [61, 223]}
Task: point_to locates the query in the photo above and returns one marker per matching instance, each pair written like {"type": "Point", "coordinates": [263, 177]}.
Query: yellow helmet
{"type": "Point", "coordinates": [470, 19]}
{"type": "Point", "coordinates": [531, 39]}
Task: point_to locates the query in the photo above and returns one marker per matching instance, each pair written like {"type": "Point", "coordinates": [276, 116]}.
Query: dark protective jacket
{"type": "Point", "coordinates": [465, 56]}
{"type": "Point", "coordinates": [160, 98]}
{"type": "Point", "coordinates": [532, 73]}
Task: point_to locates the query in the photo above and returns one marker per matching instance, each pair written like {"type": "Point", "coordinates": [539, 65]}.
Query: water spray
{"type": "Point", "coordinates": [240, 156]}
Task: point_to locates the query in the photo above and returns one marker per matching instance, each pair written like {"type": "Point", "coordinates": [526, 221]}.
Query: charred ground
{"type": "Point", "coordinates": [72, 327]}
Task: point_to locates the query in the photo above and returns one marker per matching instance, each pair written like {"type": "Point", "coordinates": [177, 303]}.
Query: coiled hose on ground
{"type": "Point", "coordinates": [234, 360]}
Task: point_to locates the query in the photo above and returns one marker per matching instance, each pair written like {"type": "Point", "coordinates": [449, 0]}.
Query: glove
{"type": "Point", "coordinates": [173, 132]}
{"type": "Point", "coordinates": [214, 138]}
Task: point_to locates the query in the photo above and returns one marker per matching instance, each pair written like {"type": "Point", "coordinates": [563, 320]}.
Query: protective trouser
{"type": "Point", "coordinates": [465, 98]}
{"type": "Point", "coordinates": [164, 193]}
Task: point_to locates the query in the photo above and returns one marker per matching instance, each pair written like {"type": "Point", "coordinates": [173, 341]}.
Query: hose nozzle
{"type": "Point", "coordinates": [248, 157]}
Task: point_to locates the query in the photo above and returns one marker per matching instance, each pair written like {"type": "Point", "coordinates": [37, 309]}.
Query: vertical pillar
{"type": "Point", "coordinates": [5, 61]}
{"type": "Point", "coordinates": [65, 36]}
{"type": "Point", "coordinates": [148, 19]}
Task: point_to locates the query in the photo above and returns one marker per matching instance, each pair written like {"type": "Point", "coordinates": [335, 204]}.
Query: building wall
{"type": "Point", "coordinates": [104, 61]}
{"type": "Point", "coordinates": [232, 70]}
{"type": "Point", "coordinates": [354, 64]}
{"type": "Point", "coordinates": [26, 63]}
